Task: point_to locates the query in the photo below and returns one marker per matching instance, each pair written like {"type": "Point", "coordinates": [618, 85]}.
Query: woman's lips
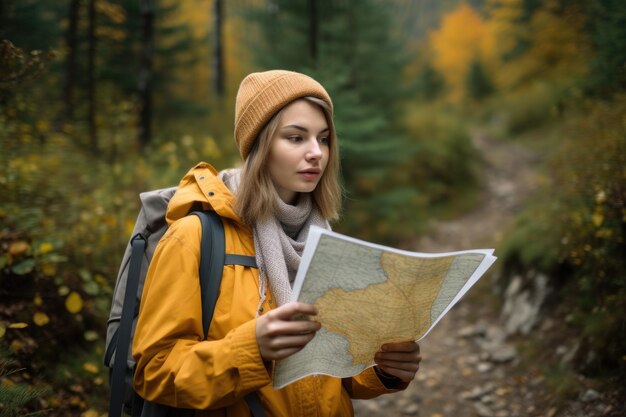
{"type": "Point", "coordinates": [310, 174]}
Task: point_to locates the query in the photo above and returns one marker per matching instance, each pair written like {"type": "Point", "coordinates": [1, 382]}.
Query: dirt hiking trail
{"type": "Point", "coordinates": [469, 368]}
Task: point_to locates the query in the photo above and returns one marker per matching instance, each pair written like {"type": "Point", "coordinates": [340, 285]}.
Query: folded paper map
{"type": "Point", "coordinates": [368, 295]}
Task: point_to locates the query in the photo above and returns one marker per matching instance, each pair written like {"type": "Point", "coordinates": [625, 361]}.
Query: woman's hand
{"type": "Point", "coordinates": [280, 333]}
{"type": "Point", "coordinates": [401, 360]}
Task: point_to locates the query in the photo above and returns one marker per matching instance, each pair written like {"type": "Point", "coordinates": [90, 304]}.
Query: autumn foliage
{"type": "Point", "coordinates": [547, 73]}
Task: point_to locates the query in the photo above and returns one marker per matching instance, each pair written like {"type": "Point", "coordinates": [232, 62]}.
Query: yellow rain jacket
{"type": "Point", "coordinates": [176, 367]}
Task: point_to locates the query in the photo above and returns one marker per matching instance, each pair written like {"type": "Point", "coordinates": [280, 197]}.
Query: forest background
{"type": "Point", "coordinates": [103, 99]}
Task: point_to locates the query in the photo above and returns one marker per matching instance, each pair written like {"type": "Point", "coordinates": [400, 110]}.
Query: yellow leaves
{"type": "Point", "coordinates": [604, 233]}
{"type": "Point", "coordinates": [45, 247]}
{"type": "Point", "coordinates": [48, 269]}
{"type": "Point", "coordinates": [597, 219]}
{"type": "Point", "coordinates": [54, 402]}
{"type": "Point", "coordinates": [16, 326]}
{"type": "Point", "coordinates": [129, 227]}
{"type": "Point", "coordinates": [100, 280]}
{"type": "Point", "coordinates": [18, 248]}
{"type": "Point", "coordinates": [557, 47]}
{"type": "Point", "coordinates": [90, 336]}
{"type": "Point", "coordinates": [463, 37]}
{"type": "Point", "coordinates": [211, 148]}
{"type": "Point", "coordinates": [76, 401]}
{"type": "Point", "coordinates": [42, 125]}
{"type": "Point", "coordinates": [90, 367]}
{"type": "Point", "coordinates": [40, 318]}
{"type": "Point", "coordinates": [111, 33]}
{"type": "Point", "coordinates": [109, 220]}
{"type": "Point", "coordinates": [112, 11]}
{"type": "Point", "coordinates": [169, 147]}
{"type": "Point", "coordinates": [16, 345]}
{"type": "Point", "coordinates": [91, 413]}
{"type": "Point", "coordinates": [74, 302]}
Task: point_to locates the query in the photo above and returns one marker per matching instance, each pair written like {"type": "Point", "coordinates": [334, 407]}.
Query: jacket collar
{"type": "Point", "coordinates": [201, 186]}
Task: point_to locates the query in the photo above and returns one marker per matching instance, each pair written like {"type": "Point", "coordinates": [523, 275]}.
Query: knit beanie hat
{"type": "Point", "coordinates": [262, 94]}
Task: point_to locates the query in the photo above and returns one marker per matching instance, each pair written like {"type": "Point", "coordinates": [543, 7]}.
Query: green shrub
{"type": "Point", "coordinates": [445, 166]}
{"type": "Point", "coordinates": [530, 107]}
{"type": "Point", "coordinates": [576, 231]}
{"type": "Point", "coordinates": [66, 215]}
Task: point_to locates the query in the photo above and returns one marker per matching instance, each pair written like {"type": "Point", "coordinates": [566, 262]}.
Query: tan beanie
{"type": "Point", "coordinates": [262, 94]}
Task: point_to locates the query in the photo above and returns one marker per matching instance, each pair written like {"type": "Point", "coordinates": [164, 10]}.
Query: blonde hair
{"type": "Point", "coordinates": [257, 197]}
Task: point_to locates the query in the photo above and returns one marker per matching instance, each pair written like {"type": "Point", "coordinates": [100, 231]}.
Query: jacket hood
{"type": "Point", "coordinates": [201, 188]}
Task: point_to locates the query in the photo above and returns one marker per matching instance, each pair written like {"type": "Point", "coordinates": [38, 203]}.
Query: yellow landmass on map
{"type": "Point", "coordinates": [397, 310]}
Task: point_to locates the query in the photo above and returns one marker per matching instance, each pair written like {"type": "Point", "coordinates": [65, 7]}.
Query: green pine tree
{"type": "Point", "coordinates": [429, 82]}
{"type": "Point", "coordinates": [360, 61]}
{"type": "Point", "coordinates": [15, 398]}
{"type": "Point", "coordinates": [120, 60]}
{"type": "Point", "coordinates": [607, 24]}
{"type": "Point", "coordinates": [477, 82]}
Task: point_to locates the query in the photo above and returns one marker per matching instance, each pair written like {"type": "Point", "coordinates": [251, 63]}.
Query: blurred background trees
{"type": "Point", "coordinates": [102, 99]}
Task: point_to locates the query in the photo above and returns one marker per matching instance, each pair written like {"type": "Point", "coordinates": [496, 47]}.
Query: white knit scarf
{"type": "Point", "coordinates": [279, 240]}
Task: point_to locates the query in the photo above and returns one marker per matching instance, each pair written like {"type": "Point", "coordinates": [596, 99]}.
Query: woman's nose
{"type": "Point", "coordinates": [314, 150]}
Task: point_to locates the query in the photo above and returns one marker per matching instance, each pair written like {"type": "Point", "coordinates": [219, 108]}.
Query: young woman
{"type": "Point", "coordinates": [289, 181]}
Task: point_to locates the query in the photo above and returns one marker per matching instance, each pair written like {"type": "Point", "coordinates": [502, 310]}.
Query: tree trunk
{"type": "Point", "coordinates": [218, 58]}
{"type": "Point", "coordinates": [145, 72]}
{"type": "Point", "coordinates": [71, 44]}
{"type": "Point", "coordinates": [91, 77]}
{"type": "Point", "coordinates": [3, 19]}
{"type": "Point", "coordinates": [313, 31]}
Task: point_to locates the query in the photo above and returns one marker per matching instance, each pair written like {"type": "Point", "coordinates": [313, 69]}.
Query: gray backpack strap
{"type": "Point", "coordinates": [211, 269]}
{"type": "Point", "coordinates": [122, 342]}
{"type": "Point", "coordinates": [212, 249]}
{"type": "Point", "coordinates": [254, 404]}
{"type": "Point", "coordinates": [244, 260]}
{"type": "Point", "coordinates": [151, 225]}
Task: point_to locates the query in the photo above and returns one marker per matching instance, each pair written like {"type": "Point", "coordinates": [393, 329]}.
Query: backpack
{"type": "Point", "coordinates": [149, 228]}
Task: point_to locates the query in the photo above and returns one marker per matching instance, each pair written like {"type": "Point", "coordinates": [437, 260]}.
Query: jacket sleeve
{"type": "Point", "coordinates": [175, 366]}
{"type": "Point", "coordinates": [368, 385]}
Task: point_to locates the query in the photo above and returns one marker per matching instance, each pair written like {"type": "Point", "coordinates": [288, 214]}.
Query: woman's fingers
{"type": "Point", "coordinates": [403, 374]}
{"type": "Point", "coordinates": [285, 330]}
{"type": "Point", "coordinates": [399, 356]}
{"type": "Point", "coordinates": [285, 342]}
{"type": "Point", "coordinates": [278, 328]}
{"type": "Point", "coordinates": [405, 366]}
{"type": "Point", "coordinates": [401, 360]}
{"type": "Point", "coordinates": [289, 310]}
{"type": "Point", "coordinates": [401, 347]}
{"type": "Point", "coordinates": [279, 347]}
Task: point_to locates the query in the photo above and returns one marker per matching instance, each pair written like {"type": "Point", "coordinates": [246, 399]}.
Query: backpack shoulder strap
{"type": "Point", "coordinates": [212, 254]}
{"type": "Point", "coordinates": [212, 260]}
{"type": "Point", "coordinates": [122, 342]}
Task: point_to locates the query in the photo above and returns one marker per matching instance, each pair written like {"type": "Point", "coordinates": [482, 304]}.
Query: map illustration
{"type": "Point", "coordinates": [368, 295]}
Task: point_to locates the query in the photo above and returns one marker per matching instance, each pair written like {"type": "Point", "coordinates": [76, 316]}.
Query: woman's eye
{"type": "Point", "coordinates": [294, 138]}
{"type": "Point", "coordinates": [325, 140]}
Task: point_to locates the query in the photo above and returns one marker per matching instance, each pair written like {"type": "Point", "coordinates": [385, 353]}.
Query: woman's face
{"type": "Point", "coordinates": [299, 150]}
